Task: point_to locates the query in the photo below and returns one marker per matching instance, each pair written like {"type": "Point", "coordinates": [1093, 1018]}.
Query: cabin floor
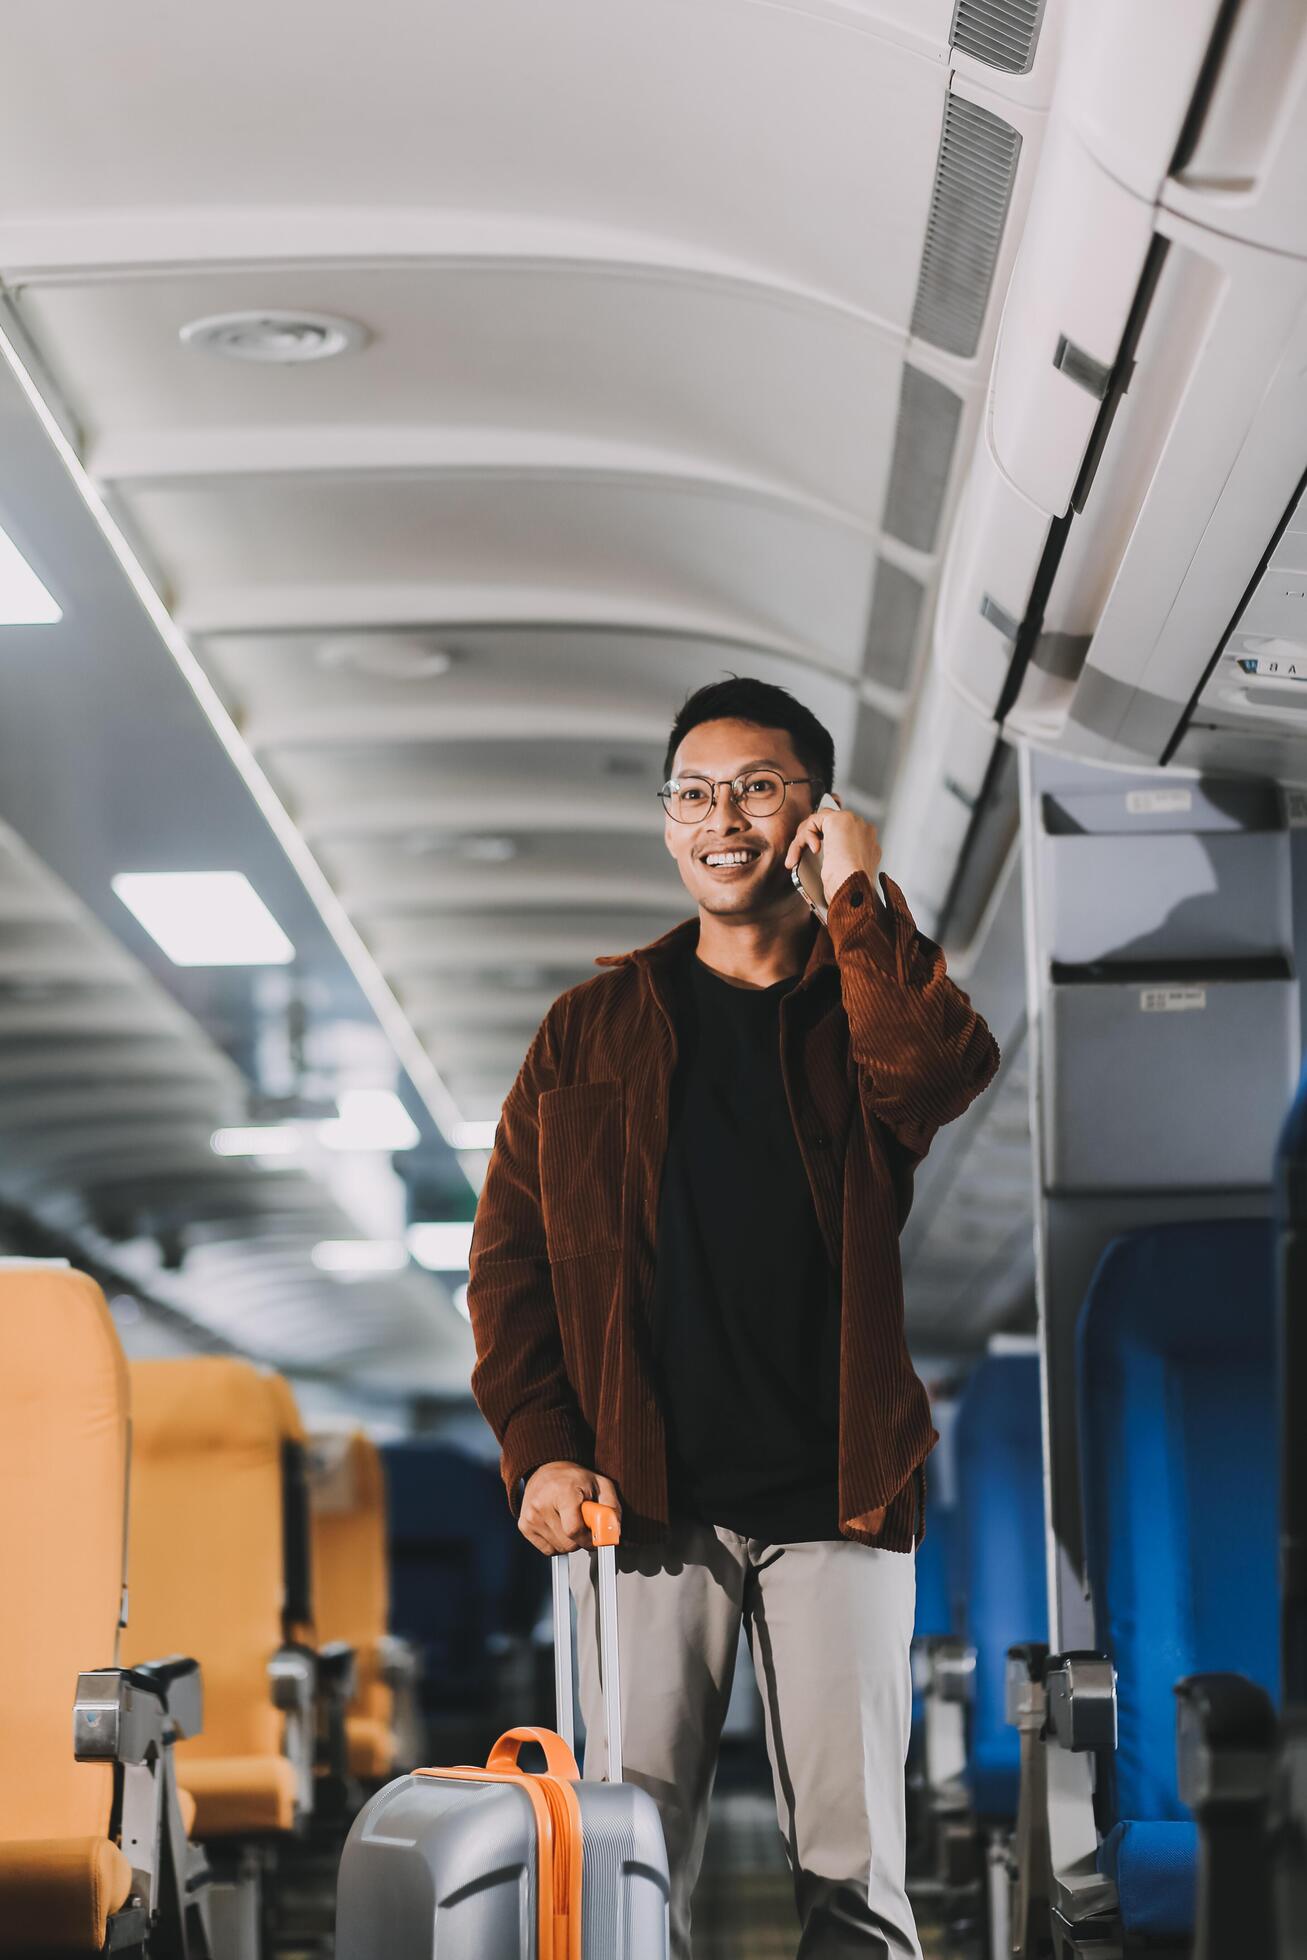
{"type": "Point", "coordinates": [744, 1905]}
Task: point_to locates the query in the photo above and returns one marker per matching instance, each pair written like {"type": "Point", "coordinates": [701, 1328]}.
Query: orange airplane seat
{"type": "Point", "coordinates": [209, 1578]}
{"type": "Point", "coordinates": [82, 1743]}
{"type": "Point", "coordinates": [351, 1589]}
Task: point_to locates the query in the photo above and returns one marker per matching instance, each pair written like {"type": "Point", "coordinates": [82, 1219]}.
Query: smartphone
{"type": "Point", "coordinates": [807, 872]}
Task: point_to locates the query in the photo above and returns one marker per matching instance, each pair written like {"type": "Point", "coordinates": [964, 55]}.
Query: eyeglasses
{"type": "Point", "coordinates": [759, 793]}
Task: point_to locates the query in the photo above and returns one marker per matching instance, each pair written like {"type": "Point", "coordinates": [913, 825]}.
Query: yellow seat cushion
{"type": "Point", "coordinates": [371, 1747]}
{"type": "Point", "coordinates": [56, 1894]}
{"type": "Point", "coordinates": [236, 1795]}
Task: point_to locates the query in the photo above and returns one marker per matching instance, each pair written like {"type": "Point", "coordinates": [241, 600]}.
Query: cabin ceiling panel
{"type": "Point", "coordinates": [763, 134]}
{"type": "Point", "coordinates": [470, 358]}
{"type": "Point", "coordinates": [772, 570]}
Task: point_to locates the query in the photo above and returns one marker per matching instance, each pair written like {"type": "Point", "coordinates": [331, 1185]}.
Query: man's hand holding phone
{"type": "Point", "coordinates": [842, 842]}
{"type": "Point", "coordinates": [550, 1516]}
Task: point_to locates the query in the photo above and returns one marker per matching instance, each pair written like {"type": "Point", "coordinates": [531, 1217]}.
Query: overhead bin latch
{"type": "Point", "coordinates": [1095, 377]}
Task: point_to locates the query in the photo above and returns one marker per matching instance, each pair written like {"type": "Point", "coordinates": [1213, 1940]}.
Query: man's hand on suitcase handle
{"type": "Point", "coordinates": [550, 1517]}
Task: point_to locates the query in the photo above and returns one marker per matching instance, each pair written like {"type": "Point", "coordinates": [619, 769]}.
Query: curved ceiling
{"type": "Point", "coordinates": [644, 398]}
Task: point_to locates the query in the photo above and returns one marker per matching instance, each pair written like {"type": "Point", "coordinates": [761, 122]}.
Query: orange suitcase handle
{"type": "Point", "coordinates": [559, 1760]}
{"type": "Point", "coordinates": [603, 1522]}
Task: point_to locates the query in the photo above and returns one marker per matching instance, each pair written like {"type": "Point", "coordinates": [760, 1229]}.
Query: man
{"type": "Point", "coordinates": [687, 1302]}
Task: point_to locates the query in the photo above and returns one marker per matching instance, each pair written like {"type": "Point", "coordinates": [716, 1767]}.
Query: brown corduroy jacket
{"type": "Point", "coordinates": [878, 1049]}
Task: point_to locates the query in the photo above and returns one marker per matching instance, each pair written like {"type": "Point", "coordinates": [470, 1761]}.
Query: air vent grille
{"type": "Point", "coordinates": [973, 188]}
{"type": "Point", "coordinates": [1001, 33]}
{"type": "Point", "coordinates": [896, 601]}
{"type": "Point", "coordinates": [924, 442]}
{"type": "Point", "coordinates": [873, 747]}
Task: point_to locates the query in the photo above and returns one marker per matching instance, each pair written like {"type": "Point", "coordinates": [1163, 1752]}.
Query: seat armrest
{"type": "Point", "coordinates": [130, 1717]}
{"type": "Point", "coordinates": [118, 1717]}
{"type": "Point", "coordinates": [292, 1675]}
{"type": "Point", "coordinates": [178, 1683]}
{"type": "Point", "coordinates": [1225, 1731]}
{"type": "Point", "coordinates": [1024, 1699]}
{"type": "Point", "coordinates": [397, 1661]}
{"type": "Point", "coordinates": [952, 1670]}
{"type": "Point", "coordinates": [293, 1679]}
{"type": "Point", "coordinates": [338, 1670]}
{"type": "Point", "coordinates": [1227, 1751]}
{"type": "Point", "coordinates": [1081, 1697]}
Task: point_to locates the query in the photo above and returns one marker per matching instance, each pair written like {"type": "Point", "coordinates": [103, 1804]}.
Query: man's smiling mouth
{"type": "Point", "coordinates": [717, 860]}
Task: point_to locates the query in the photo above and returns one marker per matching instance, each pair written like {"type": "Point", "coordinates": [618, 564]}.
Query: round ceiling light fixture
{"type": "Point", "coordinates": [386, 656]}
{"type": "Point", "coordinates": [274, 336]}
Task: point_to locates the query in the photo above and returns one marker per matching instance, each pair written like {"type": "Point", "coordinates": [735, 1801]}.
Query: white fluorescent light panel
{"type": "Point", "coordinates": [24, 601]}
{"type": "Point", "coordinates": [205, 918]}
{"type": "Point", "coordinates": [441, 1248]}
{"type": "Point", "coordinates": [370, 1119]}
{"type": "Point", "coordinates": [257, 1140]}
{"type": "Point", "coordinates": [359, 1258]}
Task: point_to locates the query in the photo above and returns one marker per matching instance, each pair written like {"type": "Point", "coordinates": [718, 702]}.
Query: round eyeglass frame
{"type": "Point", "coordinates": [735, 784]}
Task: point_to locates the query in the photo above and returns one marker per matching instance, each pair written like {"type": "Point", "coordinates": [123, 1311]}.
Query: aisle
{"type": "Point", "coordinates": [743, 1906]}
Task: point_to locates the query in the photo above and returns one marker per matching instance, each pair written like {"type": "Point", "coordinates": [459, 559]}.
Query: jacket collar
{"type": "Point", "coordinates": [659, 952]}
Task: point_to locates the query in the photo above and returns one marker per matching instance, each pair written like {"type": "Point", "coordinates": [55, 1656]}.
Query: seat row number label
{"type": "Point", "coordinates": [1171, 1000]}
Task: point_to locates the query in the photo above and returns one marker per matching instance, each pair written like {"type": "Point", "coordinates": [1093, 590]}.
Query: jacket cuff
{"type": "Point", "coordinates": [858, 917]}
{"type": "Point", "coordinates": [537, 1436]}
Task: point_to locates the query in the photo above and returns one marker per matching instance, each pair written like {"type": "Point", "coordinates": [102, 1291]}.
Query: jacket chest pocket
{"type": "Point", "coordinates": [582, 1153]}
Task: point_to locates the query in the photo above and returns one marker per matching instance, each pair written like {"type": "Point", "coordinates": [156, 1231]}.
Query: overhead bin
{"type": "Point", "coordinates": [1148, 398]}
{"type": "Point", "coordinates": [993, 560]}
{"type": "Point", "coordinates": [1073, 286]}
{"type": "Point", "coordinates": [1242, 173]}
{"type": "Point", "coordinates": [1127, 80]}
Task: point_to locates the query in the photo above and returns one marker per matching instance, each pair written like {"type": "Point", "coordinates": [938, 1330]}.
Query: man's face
{"type": "Point", "coordinates": [731, 864]}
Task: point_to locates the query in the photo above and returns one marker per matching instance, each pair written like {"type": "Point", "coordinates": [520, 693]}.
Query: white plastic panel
{"type": "Point", "coordinates": [1160, 1033]}
{"type": "Point", "coordinates": [994, 554]}
{"type": "Point", "coordinates": [1076, 277]}
{"type": "Point", "coordinates": [1246, 174]}
{"type": "Point", "coordinates": [1127, 78]}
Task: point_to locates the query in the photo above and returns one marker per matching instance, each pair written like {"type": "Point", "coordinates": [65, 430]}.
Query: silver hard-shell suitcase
{"type": "Point", "coordinates": [473, 1864]}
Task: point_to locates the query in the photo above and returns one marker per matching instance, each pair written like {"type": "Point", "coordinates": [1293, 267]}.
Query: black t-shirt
{"type": "Point", "coordinates": [746, 1304]}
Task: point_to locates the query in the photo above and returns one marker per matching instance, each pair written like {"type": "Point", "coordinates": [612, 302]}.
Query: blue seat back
{"type": "Point", "coordinates": [1001, 1562]}
{"type": "Point", "coordinates": [461, 1573]}
{"type": "Point", "coordinates": [1178, 1467]}
{"type": "Point", "coordinates": [935, 1573]}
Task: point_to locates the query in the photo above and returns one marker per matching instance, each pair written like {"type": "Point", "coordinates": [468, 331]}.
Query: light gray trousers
{"type": "Point", "coordinates": [830, 1627]}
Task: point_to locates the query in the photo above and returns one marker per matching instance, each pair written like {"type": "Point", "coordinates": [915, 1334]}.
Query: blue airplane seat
{"type": "Point", "coordinates": [462, 1575]}
{"type": "Point", "coordinates": [1001, 1560]}
{"type": "Point", "coordinates": [934, 1574]}
{"type": "Point", "coordinates": [935, 1604]}
{"type": "Point", "coordinates": [1178, 1464]}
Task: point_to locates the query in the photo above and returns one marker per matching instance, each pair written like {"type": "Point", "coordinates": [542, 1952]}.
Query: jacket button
{"type": "Point", "coordinates": [855, 897]}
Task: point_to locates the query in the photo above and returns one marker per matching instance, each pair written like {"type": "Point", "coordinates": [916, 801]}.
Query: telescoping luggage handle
{"type": "Point", "coordinates": [605, 1528]}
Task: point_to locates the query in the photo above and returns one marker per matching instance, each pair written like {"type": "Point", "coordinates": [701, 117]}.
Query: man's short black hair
{"type": "Point", "coordinates": [737, 698]}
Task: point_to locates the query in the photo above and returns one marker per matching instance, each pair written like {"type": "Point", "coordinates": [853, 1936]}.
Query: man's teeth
{"type": "Point", "coordinates": [730, 857]}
